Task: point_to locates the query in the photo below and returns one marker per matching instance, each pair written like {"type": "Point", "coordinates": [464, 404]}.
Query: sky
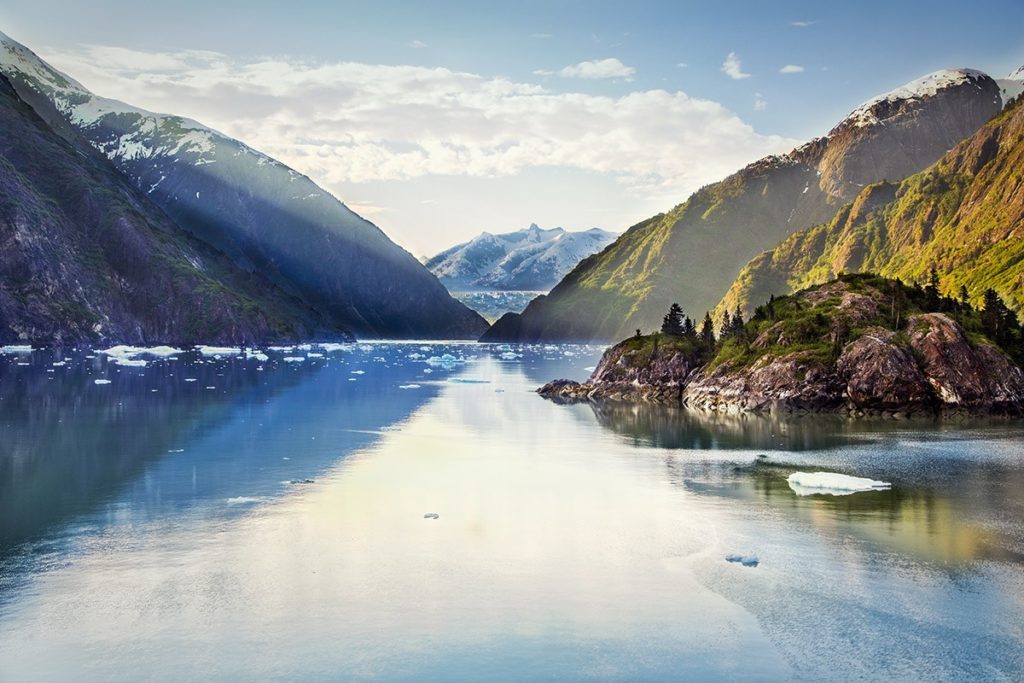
{"type": "Point", "coordinates": [440, 120]}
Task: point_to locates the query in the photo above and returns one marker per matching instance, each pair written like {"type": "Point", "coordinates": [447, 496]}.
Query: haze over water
{"type": "Point", "coordinates": [267, 521]}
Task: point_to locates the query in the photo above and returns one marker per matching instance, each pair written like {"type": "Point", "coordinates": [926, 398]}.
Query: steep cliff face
{"type": "Point", "coordinates": [858, 345]}
{"type": "Point", "coordinates": [693, 253]}
{"type": "Point", "coordinates": [85, 257]}
{"type": "Point", "coordinates": [266, 217]}
{"type": "Point", "coordinates": [964, 215]}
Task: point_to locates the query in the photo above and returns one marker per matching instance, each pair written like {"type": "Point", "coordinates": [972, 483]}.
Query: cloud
{"type": "Point", "coordinates": [597, 69]}
{"type": "Point", "coordinates": [791, 69]}
{"type": "Point", "coordinates": [682, 65]}
{"type": "Point", "coordinates": [541, 36]}
{"type": "Point", "coordinates": [760, 104]}
{"type": "Point", "coordinates": [802, 24]}
{"type": "Point", "coordinates": [417, 44]}
{"type": "Point", "coordinates": [732, 68]}
{"type": "Point", "coordinates": [350, 122]}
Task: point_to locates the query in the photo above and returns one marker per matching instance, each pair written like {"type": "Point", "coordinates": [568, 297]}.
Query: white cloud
{"type": "Point", "coordinates": [682, 65]}
{"type": "Point", "coordinates": [791, 69]}
{"type": "Point", "coordinates": [417, 44]}
{"type": "Point", "coordinates": [802, 24]}
{"type": "Point", "coordinates": [597, 69]}
{"type": "Point", "coordinates": [732, 68]}
{"type": "Point", "coordinates": [760, 104]}
{"type": "Point", "coordinates": [349, 122]}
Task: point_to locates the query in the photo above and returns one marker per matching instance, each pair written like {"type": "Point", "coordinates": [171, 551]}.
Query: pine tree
{"type": "Point", "coordinates": [931, 290]}
{"type": "Point", "coordinates": [725, 329]}
{"type": "Point", "coordinates": [736, 324]}
{"type": "Point", "coordinates": [707, 331]}
{"type": "Point", "coordinates": [689, 329]}
{"type": "Point", "coordinates": [672, 323]}
{"type": "Point", "coordinates": [997, 320]}
{"type": "Point", "coordinates": [965, 296]}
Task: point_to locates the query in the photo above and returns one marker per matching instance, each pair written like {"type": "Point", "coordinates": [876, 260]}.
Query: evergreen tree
{"type": "Point", "coordinates": [736, 323]}
{"type": "Point", "coordinates": [707, 331]}
{"type": "Point", "coordinates": [672, 323]}
{"type": "Point", "coordinates": [965, 296]}
{"type": "Point", "coordinates": [725, 329]}
{"type": "Point", "coordinates": [998, 321]}
{"type": "Point", "coordinates": [689, 329]}
{"type": "Point", "coordinates": [931, 290]}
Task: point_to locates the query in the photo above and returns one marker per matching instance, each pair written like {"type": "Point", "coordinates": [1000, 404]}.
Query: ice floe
{"type": "Point", "coordinates": [408, 386]}
{"type": "Point", "coordinates": [829, 483]}
{"type": "Point", "coordinates": [125, 351]}
{"type": "Point", "coordinates": [745, 560]}
{"type": "Point", "coordinates": [101, 381]}
{"type": "Point", "coordinates": [218, 350]}
{"type": "Point", "coordinates": [15, 348]}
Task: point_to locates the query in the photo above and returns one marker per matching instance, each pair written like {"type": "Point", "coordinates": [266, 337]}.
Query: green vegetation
{"type": "Point", "coordinates": [961, 217]}
{"type": "Point", "coordinates": [816, 325]}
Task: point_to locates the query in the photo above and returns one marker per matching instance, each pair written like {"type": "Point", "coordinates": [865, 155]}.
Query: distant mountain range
{"type": "Point", "coordinates": [267, 219]}
{"type": "Point", "coordinates": [692, 254]}
{"type": "Point", "coordinates": [534, 259]}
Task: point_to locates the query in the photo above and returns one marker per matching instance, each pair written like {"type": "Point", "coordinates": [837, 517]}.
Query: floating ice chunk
{"type": "Point", "coordinates": [408, 386]}
{"type": "Point", "coordinates": [190, 379]}
{"type": "Point", "coordinates": [313, 354]}
{"type": "Point", "coordinates": [829, 483]}
{"type": "Point", "coordinates": [101, 381]}
{"type": "Point", "coordinates": [293, 359]}
{"type": "Point", "coordinates": [351, 379]}
{"type": "Point", "coordinates": [16, 348]}
{"type": "Point", "coordinates": [431, 515]}
{"type": "Point", "coordinates": [242, 500]}
{"type": "Point", "coordinates": [331, 347]}
{"type": "Point", "coordinates": [219, 350]}
{"type": "Point", "coordinates": [124, 351]}
{"type": "Point", "coordinates": [130, 362]}
{"type": "Point", "coordinates": [281, 349]}
{"type": "Point", "coordinates": [745, 560]}
{"type": "Point", "coordinates": [359, 372]}
{"type": "Point", "coordinates": [510, 355]}
{"type": "Point", "coordinates": [415, 356]}
{"type": "Point", "coordinates": [59, 364]}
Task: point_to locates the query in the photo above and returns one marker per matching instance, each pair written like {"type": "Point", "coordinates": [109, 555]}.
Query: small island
{"type": "Point", "coordinates": [858, 345]}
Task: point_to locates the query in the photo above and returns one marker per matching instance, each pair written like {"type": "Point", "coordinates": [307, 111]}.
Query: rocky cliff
{"type": "Point", "coordinates": [858, 345]}
{"type": "Point", "coordinates": [692, 253]}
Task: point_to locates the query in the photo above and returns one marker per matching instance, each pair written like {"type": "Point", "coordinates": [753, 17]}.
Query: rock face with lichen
{"type": "Point", "coordinates": [857, 345]}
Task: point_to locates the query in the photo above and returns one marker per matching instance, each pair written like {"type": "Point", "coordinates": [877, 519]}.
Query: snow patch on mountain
{"type": "Point", "coordinates": [534, 259]}
{"type": "Point", "coordinates": [868, 114]}
{"type": "Point", "coordinates": [1011, 86]}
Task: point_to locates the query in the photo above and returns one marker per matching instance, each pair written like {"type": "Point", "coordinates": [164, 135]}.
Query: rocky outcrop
{"type": "Point", "coordinates": [930, 365]}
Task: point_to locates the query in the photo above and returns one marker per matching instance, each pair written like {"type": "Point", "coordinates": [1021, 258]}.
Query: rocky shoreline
{"type": "Point", "coordinates": [929, 366]}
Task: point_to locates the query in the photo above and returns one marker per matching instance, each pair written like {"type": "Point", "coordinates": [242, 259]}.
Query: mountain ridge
{"type": "Point", "coordinates": [265, 216]}
{"type": "Point", "coordinates": [692, 253]}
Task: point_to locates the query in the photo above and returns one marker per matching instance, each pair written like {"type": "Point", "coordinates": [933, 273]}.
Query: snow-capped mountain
{"type": "Point", "coordinates": [534, 259]}
{"type": "Point", "coordinates": [1012, 85]}
{"type": "Point", "coordinates": [267, 217]}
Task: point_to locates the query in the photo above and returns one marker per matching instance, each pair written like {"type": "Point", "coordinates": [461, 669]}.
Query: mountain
{"type": "Point", "coordinates": [859, 344]}
{"type": "Point", "coordinates": [1012, 86]}
{"type": "Point", "coordinates": [86, 257]}
{"type": "Point", "coordinates": [964, 216]}
{"type": "Point", "coordinates": [692, 253]}
{"type": "Point", "coordinates": [533, 259]}
{"type": "Point", "coordinates": [265, 216]}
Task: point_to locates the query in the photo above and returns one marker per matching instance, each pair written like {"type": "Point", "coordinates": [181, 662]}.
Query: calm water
{"type": "Point", "coordinates": [161, 528]}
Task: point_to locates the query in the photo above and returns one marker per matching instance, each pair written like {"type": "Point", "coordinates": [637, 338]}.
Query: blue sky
{"type": "Point", "coordinates": [431, 171]}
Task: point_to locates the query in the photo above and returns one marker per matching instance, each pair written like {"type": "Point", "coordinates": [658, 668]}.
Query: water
{"type": "Point", "coordinates": [156, 528]}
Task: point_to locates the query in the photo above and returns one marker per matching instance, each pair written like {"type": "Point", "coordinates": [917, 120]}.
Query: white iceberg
{"type": "Point", "coordinates": [218, 350]}
{"type": "Point", "coordinates": [408, 386]}
{"type": "Point", "coordinates": [129, 362]}
{"type": "Point", "coordinates": [101, 381]}
{"type": "Point", "coordinates": [125, 351]}
{"type": "Point", "coordinates": [15, 348]}
{"type": "Point", "coordinates": [293, 359]}
{"type": "Point", "coordinates": [829, 483]}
